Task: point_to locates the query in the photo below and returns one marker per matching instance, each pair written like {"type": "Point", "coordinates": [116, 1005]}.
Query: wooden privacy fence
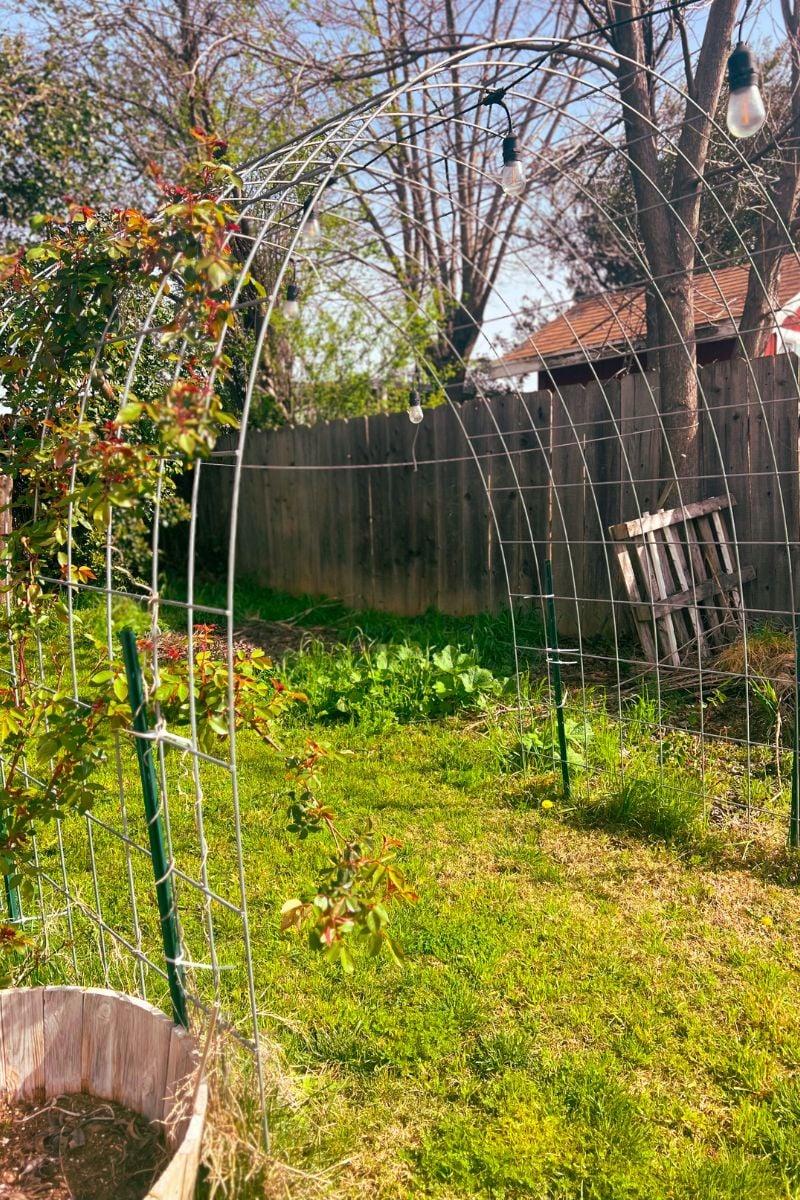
{"type": "Point", "coordinates": [340, 510]}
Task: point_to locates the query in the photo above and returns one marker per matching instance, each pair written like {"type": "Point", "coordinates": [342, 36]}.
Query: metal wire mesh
{"type": "Point", "coordinates": [94, 900]}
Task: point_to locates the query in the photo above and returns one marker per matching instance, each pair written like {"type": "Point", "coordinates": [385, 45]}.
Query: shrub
{"type": "Point", "coordinates": [383, 684]}
{"type": "Point", "coordinates": [537, 748]}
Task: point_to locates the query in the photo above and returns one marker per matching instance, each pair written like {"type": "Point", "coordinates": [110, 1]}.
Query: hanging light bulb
{"type": "Point", "coordinates": [312, 230]}
{"type": "Point", "coordinates": [291, 306]}
{"type": "Point", "coordinates": [746, 112]}
{"type": "Point", "coordinates": [415, 413]}
{"type": "Point", "coordinates": [512, 177]}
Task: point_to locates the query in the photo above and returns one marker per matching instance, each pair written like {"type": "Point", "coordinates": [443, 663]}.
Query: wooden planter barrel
{"type": "Point", "coordinates": [57, 1040]}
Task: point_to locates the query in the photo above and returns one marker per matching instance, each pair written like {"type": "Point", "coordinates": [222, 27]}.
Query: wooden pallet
{"type": "Point", "coordinates": [682, 580]}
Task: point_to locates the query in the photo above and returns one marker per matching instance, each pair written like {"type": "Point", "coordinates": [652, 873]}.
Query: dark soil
{"type": "Point", "coordinates": [77, 1148]}
{"type": "Point", "coordinates": [277, 638]}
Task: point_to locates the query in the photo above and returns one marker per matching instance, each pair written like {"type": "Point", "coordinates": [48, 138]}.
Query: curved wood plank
{"type": "Point", "coordinates": [63, 1039]}
{"type": "Point", "coordinates": [22, 1012]}
{"type": "Point", "coordinates": [178, 1091]}
{"type": "Point", "coordinates": [99, 1048]}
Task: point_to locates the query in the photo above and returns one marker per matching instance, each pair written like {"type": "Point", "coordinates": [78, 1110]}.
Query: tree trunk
{"type": "Point", "coordinates": [761, 300]}
{"type": "Point", "coordinates": [454, 345]}
{"type": "Point", "coordinates": [678, 399]}
{"type": "Point", "coordinates": [669, 224]}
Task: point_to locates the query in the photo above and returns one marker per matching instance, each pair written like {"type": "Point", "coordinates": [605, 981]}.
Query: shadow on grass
{"type": "Point", "coordinates": [649, 810]}
{"type": "Point", "coordinates": [650, 807]}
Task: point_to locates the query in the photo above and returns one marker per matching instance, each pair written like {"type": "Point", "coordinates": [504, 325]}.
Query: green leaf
{"type": "Point", "coordinates": [129, 412]}
{"type": "Point", "coordinates": [395, 949]}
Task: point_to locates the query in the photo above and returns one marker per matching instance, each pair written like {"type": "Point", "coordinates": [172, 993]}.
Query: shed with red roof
{"type": "Point", "coordinates": [604, 335]}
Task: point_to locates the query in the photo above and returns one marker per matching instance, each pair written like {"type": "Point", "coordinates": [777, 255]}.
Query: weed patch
{"type": "Point", "coordinates": [669, 808]}
{"type": "Point", "coordinates": [381, 685]}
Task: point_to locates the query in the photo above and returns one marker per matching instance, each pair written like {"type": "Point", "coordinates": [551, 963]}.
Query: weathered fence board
{"type": "Point", "coordinates": [478, 530]}
{"type": "Point", "coordinates": [569, 500]}
{"type": "Point", "coordinates": [534, 470]}
{"type": "Point", "coordinates": [359, 593]}
{"type": "Point", "coordinates": [772, 476]}
{"type": "Point", "coordinates": [423, 484]}
{"type": "Point", "coordinates": [450, 445]}
{"type": "Point", "coordinates": [340, 510]}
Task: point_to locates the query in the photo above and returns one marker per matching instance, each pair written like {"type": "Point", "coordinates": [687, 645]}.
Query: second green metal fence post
{"type": "Point", "coordinates": [12, 891]}
{"type": "Point", "coordinates": [554, 659]}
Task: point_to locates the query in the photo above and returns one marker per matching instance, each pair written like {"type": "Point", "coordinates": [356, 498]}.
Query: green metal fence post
{"type": "Point", "coordinates": [554, 660]}
{"type": "Point", "coordinates": [165, 892]}
{"type": "Point", "coordinates": [794, 813]}
{"type": "Point", "coordinates": [12, 901]}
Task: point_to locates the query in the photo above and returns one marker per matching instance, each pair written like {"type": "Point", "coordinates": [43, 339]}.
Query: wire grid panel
{"type": "Point", "coordinates": [545, 476]}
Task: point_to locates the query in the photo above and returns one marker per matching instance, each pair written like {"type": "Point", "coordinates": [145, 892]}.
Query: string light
{"type": "Point", "coordinates": [291, 305]}
{"type": "Point", "coordinates": [746, 112]}
{"type": "Point", "coordinates": [415, 413]}
{"type": "Point", "coordinates": [311, 231]}
{"type": "Point", "coordinates": [512, 176]}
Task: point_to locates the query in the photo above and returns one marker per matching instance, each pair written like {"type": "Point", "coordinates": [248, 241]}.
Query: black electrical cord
{"type": "Point", "coordinates": [497, 99]}
{"type": "Point", "coordinates": [745, 11]}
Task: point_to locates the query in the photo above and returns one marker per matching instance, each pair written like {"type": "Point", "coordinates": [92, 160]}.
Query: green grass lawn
{"type": "Point", "coordinates": [596, 1002]}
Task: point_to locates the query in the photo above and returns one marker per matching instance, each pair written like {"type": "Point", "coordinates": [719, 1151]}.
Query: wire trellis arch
{"type": "Point", "coordinates": [352, 157]}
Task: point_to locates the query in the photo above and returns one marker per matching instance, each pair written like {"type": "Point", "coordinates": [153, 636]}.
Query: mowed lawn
{"type": "Point", "coordinates": [584, 1012]}
{"type": "Point", "coordinates": [579, 1015]}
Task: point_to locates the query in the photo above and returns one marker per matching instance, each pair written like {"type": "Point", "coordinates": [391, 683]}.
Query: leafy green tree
{"type": "Point", "coordinates": [50, 137]}
{"type": "Point", "coordinates": [161, 70]}
{"type": "Point", "coordinates": [336, 361]}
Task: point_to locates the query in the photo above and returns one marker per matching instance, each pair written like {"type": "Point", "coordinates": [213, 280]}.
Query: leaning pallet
{"type": "Point", "coordinates": [682, 579]}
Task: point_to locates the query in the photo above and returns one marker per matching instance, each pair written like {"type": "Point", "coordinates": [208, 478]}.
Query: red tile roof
{"type": "Point", "coordinates": [616, 319]}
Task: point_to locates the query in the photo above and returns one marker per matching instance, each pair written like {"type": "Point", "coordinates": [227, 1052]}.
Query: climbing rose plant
{"type": "Point", "coordinates": [91, 459]}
